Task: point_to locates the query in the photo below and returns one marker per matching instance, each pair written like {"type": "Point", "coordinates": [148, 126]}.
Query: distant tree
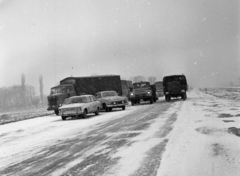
{"type": "Point", "coordinates": [139, 78]}
{"type": "Point", "coordinates": [23, 89]}
{"type": "Point", "coordinates": [41, 88]}
{"type": "Point", "coordinates": [152, 79]}
{"type": "Point", "coordinates": [35, 101]}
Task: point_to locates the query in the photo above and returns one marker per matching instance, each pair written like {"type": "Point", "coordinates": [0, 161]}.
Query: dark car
{"type": "Point", "coordinates": [175, 86]}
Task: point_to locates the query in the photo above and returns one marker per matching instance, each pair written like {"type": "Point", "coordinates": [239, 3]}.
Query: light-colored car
{"type": "Point", "coordinates": [110, 99]}
{"type": "Point", "coordinates": [79, 106]}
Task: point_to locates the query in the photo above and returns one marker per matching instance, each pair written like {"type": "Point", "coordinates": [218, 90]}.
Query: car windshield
{"type": "Point", "coordinates": [141, 85]}
{"type": "Point", "coordinates": [61, 89]}
{"type": "Point", "coordinates": [75, 100]}
{"type": "Point", "coordinates": [109, 94]}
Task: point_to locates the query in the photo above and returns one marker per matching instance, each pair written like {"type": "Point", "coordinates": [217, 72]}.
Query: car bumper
{"type": "Point", "coordinates": [140, 97]}
{"type": "Point", "coordinates": [116, 105]}
{"type": "Point", "coordinates": [71, 113]}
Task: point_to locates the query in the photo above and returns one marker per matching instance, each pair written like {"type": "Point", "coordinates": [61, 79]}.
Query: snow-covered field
{"type": "Point", "coordinates": [205, 139]}
{"type": "Point", "coordinates": [8, 117]}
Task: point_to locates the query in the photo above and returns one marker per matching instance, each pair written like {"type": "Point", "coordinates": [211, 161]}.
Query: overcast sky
{"type": "Point", "coordinates": [59, 38]}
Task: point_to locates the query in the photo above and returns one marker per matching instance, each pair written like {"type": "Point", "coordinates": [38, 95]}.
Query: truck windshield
{"type": "Point", "coordinates": [141, 85]}
{"type": "Point", "coordinates": [61, 89]}
{"type": "Point", "coordinates": [109, 94]}
{"type": "Point", "coordinates": [75, 100]}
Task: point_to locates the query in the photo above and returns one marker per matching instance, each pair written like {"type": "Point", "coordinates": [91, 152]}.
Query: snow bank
{"type": "Point", "coordinates": [200, 143]}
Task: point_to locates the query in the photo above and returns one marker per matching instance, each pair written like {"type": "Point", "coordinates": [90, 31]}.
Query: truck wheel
{"type": "Point", "coordinates": [84, 115]}
{"type": "Point", "coordinates": [167, 98]}
{"type": "Point", "coordinates": [132, 103]}
{"type": "Point", "coordinates": [151, 101]}
{"type": "Point", "coordinates": [56, 111]}
{"type": "Point", "coordinates": [64, 117]}
{"type": "Point", "coordinates": [184, 96]}
{"type": "Point", "coordinates": [123, 108]}
{"type": "Point", "coordinates": [97, 111]}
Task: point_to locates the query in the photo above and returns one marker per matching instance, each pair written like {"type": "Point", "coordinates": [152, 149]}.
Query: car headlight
{"type": "Point", "coordinates": [167, 93]}
{"type": "Point", "coordinates": [132, 94]}
{"type": "Point", "coordinates": [149, 92]}
{"type": "Point", "coordinates": [182, 90]}
{"type": "Point", "coordinates": [78, 109]}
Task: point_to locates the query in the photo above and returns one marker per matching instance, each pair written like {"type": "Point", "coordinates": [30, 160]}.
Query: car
{"type": "Point", "coordinates": [175, 86]}
{"type": "Point", "coordinates": [110, 100]}
{"type": "Point", "coordinates": [79, 106]}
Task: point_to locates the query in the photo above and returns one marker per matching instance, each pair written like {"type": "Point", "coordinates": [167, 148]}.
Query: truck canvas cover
{"type": "Point", "coordinates": [94, 84]}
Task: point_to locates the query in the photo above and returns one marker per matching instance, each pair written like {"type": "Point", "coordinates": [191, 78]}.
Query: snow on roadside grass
{"type": "Point", "coordinates": [22, 115]}
{"type": "Point", "coordinates": [200, 144]}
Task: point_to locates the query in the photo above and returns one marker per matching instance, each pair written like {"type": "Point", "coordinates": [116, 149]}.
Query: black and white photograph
{"type": "Point", "coordinates": [119, 88]}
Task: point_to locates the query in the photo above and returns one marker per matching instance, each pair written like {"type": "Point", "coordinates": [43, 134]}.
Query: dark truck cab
{"type": "Point", "coordinates": [72, 86]}
{"type": "Point", "coordinates": [143, 91]}
{"type": "Point", "coordinates": [175, 86]}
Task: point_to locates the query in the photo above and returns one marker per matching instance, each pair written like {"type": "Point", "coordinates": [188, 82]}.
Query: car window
{"type": "Point", "coordinates": [98, 95]}
{"type": "Point", "coordinates": [92, 98]}
{"type": "Point", "coordinates": [109, 94]}
{"type": "Point", "coordinates": [89, 99]}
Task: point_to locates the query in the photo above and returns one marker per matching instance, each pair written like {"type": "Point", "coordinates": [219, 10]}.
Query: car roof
{"type": "Point", "coordinates": [107, 91]}
{"type": "Point", "coordinates": [80, 96]}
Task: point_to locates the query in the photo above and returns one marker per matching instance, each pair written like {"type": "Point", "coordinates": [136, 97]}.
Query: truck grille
{"type": "Point", "coordinates": [142, 94]}
{"type": "Point", "coordinates": [53, 101]}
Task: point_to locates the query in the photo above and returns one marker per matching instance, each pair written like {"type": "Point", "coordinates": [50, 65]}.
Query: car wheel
{"type": "Point", "coordinates": [84, 115]}
{"type": "Point", "coordinates": [106, 109]}
{"type": "Point", "coordinates": [97, 111]}
{"type": "Point", "coordinates": [123, 108]}
{"type": "Point", "coordinates": [110, 109]}
{"type": "Point", "coordinates": [64, 117]}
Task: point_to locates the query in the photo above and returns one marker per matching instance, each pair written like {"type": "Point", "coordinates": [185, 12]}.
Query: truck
{"type": "Point", "coordinates": [74, 86]}
{"type": "Point", "coordinates": [159, 88]}
{"type": "Point", "coordinates": [143, 91]}
{"type": "Point", "coordinates": [175, 86]}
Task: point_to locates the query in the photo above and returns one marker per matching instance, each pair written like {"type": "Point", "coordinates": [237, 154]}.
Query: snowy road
{"type": "Point", "coordinates": [181, 138]}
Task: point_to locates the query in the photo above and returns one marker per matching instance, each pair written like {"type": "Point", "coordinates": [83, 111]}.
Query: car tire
{"type": "Point", "coordinates": [97, 111]}
{"type": "Point", "coordinates": [84, 115]}
{"type": "Point", "coordinates": [123, 108]}
{"type": "Point", "coordinates": [110, 109]}
{"type": "Point", "coordinates": [106, 109]}
{"type": "Point", "coordinates": [64, 117]}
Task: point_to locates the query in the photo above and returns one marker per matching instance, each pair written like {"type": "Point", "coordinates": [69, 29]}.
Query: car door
{"type": "Point", "coordinates": [90, 105]}
{"type": "Point", "coordinates": [95, 103]}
